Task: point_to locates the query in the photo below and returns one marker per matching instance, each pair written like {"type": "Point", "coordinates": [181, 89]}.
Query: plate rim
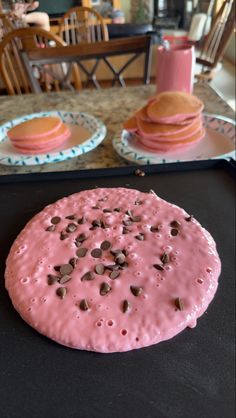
{"type": "Point", "coordinates": [62, 155]}
{"type": "Point", "coordinates": [144, 159]}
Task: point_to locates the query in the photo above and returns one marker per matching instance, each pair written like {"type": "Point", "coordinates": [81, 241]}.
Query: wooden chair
{"type": "Point", "coordinates": [12, 69]}
{"type": "Point", "coordinates": [5, 25]}
{"type": "Point", "coordinates": [217, 40]}
{"type": "Point", "coordinates": [134, 46]}
{"type": "Point", "coordinates": [81, 25]}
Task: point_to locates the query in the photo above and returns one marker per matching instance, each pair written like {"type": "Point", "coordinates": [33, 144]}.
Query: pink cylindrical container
{"type": "Point", "coordinates": [175, 68]}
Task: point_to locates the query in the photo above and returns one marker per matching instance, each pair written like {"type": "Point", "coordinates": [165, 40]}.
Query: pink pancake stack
{"type": "Point", "coordinates": [39, 135]}
{"type": "Point", "coordinates": [169, 122]}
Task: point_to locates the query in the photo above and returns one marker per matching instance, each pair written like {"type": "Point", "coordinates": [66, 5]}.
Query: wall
{"type": "Point", "coordinates": [125, 5]}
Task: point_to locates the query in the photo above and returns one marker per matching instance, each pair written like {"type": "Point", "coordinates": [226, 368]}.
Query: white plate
{"type": "Point", "coordinates": [219, 142]}
{"type": "Point", "coordinates": [87, 133]}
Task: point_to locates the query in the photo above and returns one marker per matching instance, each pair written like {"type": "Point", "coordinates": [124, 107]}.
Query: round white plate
{"type": "Point", "coordinates": [87, 133]}
{"type": "Point", "coordinates": [219, 142]}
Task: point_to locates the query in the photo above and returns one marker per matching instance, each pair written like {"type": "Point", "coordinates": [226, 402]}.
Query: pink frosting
{"type": "Point", "coordinates": [190, 273]}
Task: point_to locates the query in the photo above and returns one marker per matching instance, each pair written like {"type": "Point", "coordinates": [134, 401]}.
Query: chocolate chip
{"type": "Point", "coordinates": [175, 224]}
{"type": "Point", "coordinates": [95, 207]}
{"type": "Point", "coordinates": [57, 268]}
{"type": "Point", "coordinates": [112, 267]}
{"type": "Point", "coordinates": [129, 213]}
{"type": "Point", "coordinates": [154, 229]}
{"type": "Point", "coordinates": [120, 258]}
{"type": "Point", "coordinates": [87, 277]}
{"type": "Point", "coordinates": [63, 236]}
{"type": "Point", "coordinates": [64, 279]}
{"type": "Point", "coordinates": [84, 306]}
{"type": "Point", "coordinates": [71, 228]}
{"type": "Point", "coordinates": [51, 228]}
{"type": "Point", "coordinates": [138, 202]}
{"type": "Point", "coordinates": [106, 210]}
{"type": "Point", "coordinates": [116, 252]}
{"type": "Point", "coordinates": [136, 218]}
{"type": "Point", "coordinates": [139, 173]}
{"type": "Point", "coordinates": [158, 267]}
{"type": "Point", "coordinates": [104, 225]}
{"type": "Point", "coordinates": [126, 306]}
{"type": "Point", "coordinates": [61, 292]}
{"type": "Point", "coordinates": [96, 223]}
{"type": "Point", "coordinates": [100, 269]}
{"type": "Point", "coordinates": [96, 253]}
{"type": "Point", "coordinates": [136, 290]}
{"type": "Point", "coordinates": [81, 252]}
{"type": "Point", "coordinates": [81, 221]}
{"type": "Point", "coordinates": [114, 274]}
{"type": "Point", "coordinates": [71, 217]}
{"type": "Point", "coordinates": [81, 238]}
{"type": "Point", "coordinates": [66, 269]}
{"type": "Point", "coordinates": [174, 232]}
{"type": "Point", "coordinates": [105, 245]}
{"type": "Point", "coordinates": [123, 266]}
{"type": "Point", "coordinates": [117, 210]}
{"type": "Point", "coordinates": [73, 261]}
{"type": "Point", "coordinates": [128, 222]}
{"type": "Point", "coordinates": [55, 220]}
{"type": "Point", "coordinates": [104, 289]}
{"type": "Point", "coordinates": [165, 258]}
{"type": "Point", "coordinates": [125, 252]}
{"type": "Point", "coordinates": [52, 279]}
{"type": "Point", "coordinates": [179, 304]}
{"type": "Point", "coordinates": [140, 237]}
{"type": "Point", "coordinates": [189, 218]}
{"type": "Point", "coordinates": [125, 230]}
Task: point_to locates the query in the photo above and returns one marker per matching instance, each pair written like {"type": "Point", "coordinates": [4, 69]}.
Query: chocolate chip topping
{"type": "Point", "coordinates": [96, 207]}
{"type": "Point", "coordinates": [96, 253]}
{"type": "Point", "coordinates": [114, 274]}
{"type": "Point", "coordinates": [61, 292]}
{"type": "Point", "coordinates": [52, 279]}
{"type": "Point", "coordinates": [140, 237]}
{"type": "Point", "coordinates": [136, 218]}
{"type": "Point", "coordinates": [174, 232]}
{"type": "Point", "coordinates": [165, 258]}
{"type": "Point", "coordinates": [100, 269]}
{"type": "Point", "coordinates": [158, 267]}
{"type": "Point", "coordinates": [120, 258]}
{"type": "Point", "coordinates": [71, 217]}
{"type": "Point", "coordinates": [57, 268]}
{"type": "Point", "coordinates": [126, 306]}
{"type": "Point", "coordinates": [81, 238]}
{"type": "Point", "coordinates": [117, 210]}
{"type": "Point", "coordinates": [64, 279]}
{"type": "Point", "coordinates": [154, 229]}
{"type": "Point", "coordinates": [73, 261]}
{"type": "Point", "coordinates": [116, 252]}
{"type": "Point", "coordinates": [66, 269]}
{"type": "Point", "coordinates": [105, 245]}
{"type": "Point", "coordinates": [112, 267]}
{"type": "Point", "coordinates": [51, 228]}
{"type": "Point", "coordinates": [189, 218]}
{"type": "Point", "coordinates": [175, 224]}
{"type": "Point", "coordinates": [71, 228]}
{"type": "Point", "coordinates": [84, 306]}
{"type": "Point", "coordinates": [81, 252]}
{"type": "Point", "coordinates": [82, 220]}
{"type": "Point", "coordinates": [107, 210]}
{"type": "Point", "coordinates": [136, 290]}
{"type": "Point", "coordinates": [125, 230]}
{"type": "Point", "coordinates": [179, 304]}
{"type": "Point", "coordinates": [63, 236]}
{"type": "Point", "coordinates": [104, 289]}
{"type": "Point", "coordinates": [87, 277]}
{"type": "Point", "coordinates": [55, 220]}
{"type": "Point", "coordinates": [96, 223]}
{"type": "Point", "coordinates": [138, 202]}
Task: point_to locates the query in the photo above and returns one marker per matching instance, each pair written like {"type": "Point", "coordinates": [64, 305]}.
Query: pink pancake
{"type": "Point", "coordinates": [167, 146]}
{"type": "Point", "coordinates": [142, 115]}
{"type": "Point", "coordinates": [66, 283]}
{"type": "Point", "coordinates": [35, 128]}
{"type": "Point", "coordinates": [43, 145]}
{"type": "Point", "coordinates": [156, 131]}
{"type": "Point", "coordinates": [174, 107]}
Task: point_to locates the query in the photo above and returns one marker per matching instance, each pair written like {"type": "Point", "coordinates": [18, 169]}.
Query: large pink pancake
{"type": "Point", "coordinates": [156, 131]}
{"type": "Point", "coordinates": [174, 107]}
{"type": "Point", "coordinates": [164, 128]}
{"type": "Point", "coordinates": [167, 272]}
{"type": "Point", "coordinates": [35, 128]}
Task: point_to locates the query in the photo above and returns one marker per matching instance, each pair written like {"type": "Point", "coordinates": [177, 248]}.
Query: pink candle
{"type": "Point", "coordinates": [175, 68]}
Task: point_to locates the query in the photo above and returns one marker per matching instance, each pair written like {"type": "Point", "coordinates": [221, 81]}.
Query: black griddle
{"type": "Point", "coordinates": [190, 376]}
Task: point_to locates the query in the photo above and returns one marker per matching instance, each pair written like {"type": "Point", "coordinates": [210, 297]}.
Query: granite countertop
{"type": "Point", "coordinates": [112, 106]}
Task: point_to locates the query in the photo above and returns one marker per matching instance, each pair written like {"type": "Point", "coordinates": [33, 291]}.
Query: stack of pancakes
{"type": "Point", "coordinates": [170, 121]}
{"type": "Point", "coordinates": [39, 135]}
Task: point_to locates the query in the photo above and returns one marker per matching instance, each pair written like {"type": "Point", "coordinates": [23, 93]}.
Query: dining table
{"type": "Point", "coordinates": [110, 105]}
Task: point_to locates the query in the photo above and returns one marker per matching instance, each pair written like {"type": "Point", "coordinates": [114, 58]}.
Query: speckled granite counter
{"type": "Point", "coordinates": [112, 106]}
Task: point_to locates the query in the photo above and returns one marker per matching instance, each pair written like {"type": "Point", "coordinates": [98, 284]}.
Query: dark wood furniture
{"type": "Point", "coordinates": [99, 50]}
